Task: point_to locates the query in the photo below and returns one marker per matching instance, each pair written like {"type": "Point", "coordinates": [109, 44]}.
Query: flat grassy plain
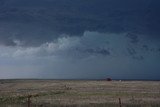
{"type": "Point", "coordinates": [79, 93]}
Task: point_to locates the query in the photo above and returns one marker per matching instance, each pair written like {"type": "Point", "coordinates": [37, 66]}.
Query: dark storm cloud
{"type": "Point", "coordinates": [37, 21]}
{"type": "Point", "coordinates": [80, 39]}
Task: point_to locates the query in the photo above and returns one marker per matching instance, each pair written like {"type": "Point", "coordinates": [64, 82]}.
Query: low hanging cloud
{"type": "Point", "coordinates": [93, 55]}
{"type": "Point", "coordinates": [90, 44]}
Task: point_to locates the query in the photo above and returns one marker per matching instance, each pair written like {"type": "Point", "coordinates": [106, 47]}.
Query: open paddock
{"type": "Point", "coordinates": [79, 93]}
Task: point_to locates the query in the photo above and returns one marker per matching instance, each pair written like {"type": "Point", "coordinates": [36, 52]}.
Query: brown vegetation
{"type": "Point", "coordinates": [59, 93]}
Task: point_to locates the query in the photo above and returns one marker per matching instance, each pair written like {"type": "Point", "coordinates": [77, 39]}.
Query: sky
{"type": "Point", "coordinates": [80, 39]}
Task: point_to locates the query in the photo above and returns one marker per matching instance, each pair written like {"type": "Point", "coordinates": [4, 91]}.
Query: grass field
{"type": "Point", "coordinates": [79, 93]}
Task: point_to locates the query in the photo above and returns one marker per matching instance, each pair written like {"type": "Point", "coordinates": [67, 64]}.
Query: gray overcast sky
{"type": "Point", "coordinates": [80, 39]}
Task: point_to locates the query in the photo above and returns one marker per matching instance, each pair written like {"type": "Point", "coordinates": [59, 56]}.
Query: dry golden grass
{"type": "Point", "coordinates": [74, 93]}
